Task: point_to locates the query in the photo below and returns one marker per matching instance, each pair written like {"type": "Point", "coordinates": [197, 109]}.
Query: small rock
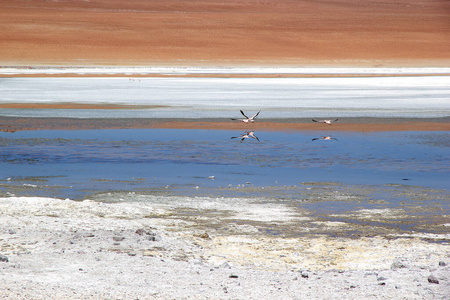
{"type": "Point", "coordinates": [149, 235]}
{"type": "Point", "coordinates": [381, 278]}
{"type": "Point", "coordinates": [203, 235]}
{"type": "Point", "coordinates": [304, 274]}
{"type": "Point", "coordinates": [131, 254]}
{"type": "Point", "coordinates": [234, 276]}
{"type": "Point", "coordinates": [382, 283]}
{"type": "Point", "coordinates": [442, 263]}
{"type": "Point", "coordinates": [141, 231]}
{"type": "Point", "coordinates": [226, 265]}
{"type": "Point", "coordinates": [151, 238]}
{"type": "Point", "coordinates": [370, 273]}
{"type": "Point", "coordinates": [118, 238]}
{"type": "Point", "coordinates": [4, 258]}
{"type": "Point", "coordinates": [397, 265]}
{"type": "Point", "coordinates": [11, 231]}
{"type": "Point", "coordinates": [433, 279]}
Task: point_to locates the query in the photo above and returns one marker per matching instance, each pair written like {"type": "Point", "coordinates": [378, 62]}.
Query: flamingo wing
{"type": "Point", "coordinates": [243, 114]}
{"type": "Point", "coordinates": [254, 117]}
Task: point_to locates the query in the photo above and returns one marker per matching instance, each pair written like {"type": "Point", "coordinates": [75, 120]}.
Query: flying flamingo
{"type": "Point", "coordinates": [247, 135]}
{"type": "Point", "coordinates": [247, 119]}
{"type": "Point", "coordinates": [325, 121]}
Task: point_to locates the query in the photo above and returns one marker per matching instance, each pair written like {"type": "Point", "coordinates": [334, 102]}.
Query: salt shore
{"type": "Point", "coordinates": [217, 71]}
{"type": "Point", "coordinates": [415, 96]}
{"type": "Point", "coordinates": [64, 249]}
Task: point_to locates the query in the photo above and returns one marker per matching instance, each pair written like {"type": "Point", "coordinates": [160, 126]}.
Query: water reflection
{"type": "Point", "coordinates": [247, 135]}
{"type": "Point", "coordinates": [325, 138]}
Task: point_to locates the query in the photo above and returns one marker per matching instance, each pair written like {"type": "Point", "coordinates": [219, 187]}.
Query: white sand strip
{"type": "Point", "coordinates": [129, 71]}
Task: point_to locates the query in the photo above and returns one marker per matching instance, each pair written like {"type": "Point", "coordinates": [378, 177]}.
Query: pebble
{"type": "Point", "coordinates": [118, 238]}
{"type": "Point", "coordinates": [4, 258]}
{"type": "Point", "coordinates": [203, 235]}
{"type": "Point", "coordinates": [149, 235]}
{"type": "Point", "coordinates": [304, 274]}
{"type": "Point", "coordinates": [141, 231]}
{"type": "Point", "coordinates": [370, 273]}
{"type": "Point", "coordinates": [226, 265]}
{"type": "Point", "coordinates": [151, 238]}
{"type": "Point", "coordinates": [433, 279]}
{"type": "Point", "coordinates": [442, 263]}
{"type": "Point", "coordinates": [397, 265]}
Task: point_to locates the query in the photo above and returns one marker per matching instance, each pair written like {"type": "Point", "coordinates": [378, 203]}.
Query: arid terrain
{"type": "Point", "coordinates": [261, 32]}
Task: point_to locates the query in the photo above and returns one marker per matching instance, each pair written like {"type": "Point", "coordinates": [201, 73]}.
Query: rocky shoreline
{"type": "Point", "coordinates": [53, 248]}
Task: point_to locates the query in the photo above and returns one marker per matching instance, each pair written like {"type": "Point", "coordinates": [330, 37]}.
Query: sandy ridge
{"type": "Point", "coordinates": [12, 124]}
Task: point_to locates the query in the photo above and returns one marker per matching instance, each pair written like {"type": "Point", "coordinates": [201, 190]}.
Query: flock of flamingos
{"type": "Point", "coordinates": [251, 134]}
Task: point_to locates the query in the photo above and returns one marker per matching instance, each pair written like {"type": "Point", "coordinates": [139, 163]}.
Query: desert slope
{"type": "Point", "coordinates": [175, 32]}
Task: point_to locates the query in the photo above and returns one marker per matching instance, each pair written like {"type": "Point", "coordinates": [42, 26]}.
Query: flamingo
{"type": "Point", "coordinates": [247, 119]}
{"type": "Point", "coordinates": [325, 138]}
{"type": "Point", "coordinates": [247, 135]}
{"type": "Point", "coordinates": [325, 121]}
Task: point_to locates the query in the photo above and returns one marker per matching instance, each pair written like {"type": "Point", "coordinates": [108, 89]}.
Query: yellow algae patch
{"type": "Point", "coordinates": [319, 253]}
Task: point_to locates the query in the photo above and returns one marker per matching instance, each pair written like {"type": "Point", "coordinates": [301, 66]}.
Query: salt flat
{"type": "Point", "coordinates": [397, 96]}
{"type": "Point", "coordinates": [111, 70]}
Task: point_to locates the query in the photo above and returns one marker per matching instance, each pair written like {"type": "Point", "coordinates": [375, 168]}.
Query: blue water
{"type": "Point", "coordinates": [82, 162]}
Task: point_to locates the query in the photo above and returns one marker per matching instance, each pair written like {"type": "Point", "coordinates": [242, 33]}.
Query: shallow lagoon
{"type": "Point", "coordinates": [399, 178]}
{"type": "Point", "coordinates": [130, 159]}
